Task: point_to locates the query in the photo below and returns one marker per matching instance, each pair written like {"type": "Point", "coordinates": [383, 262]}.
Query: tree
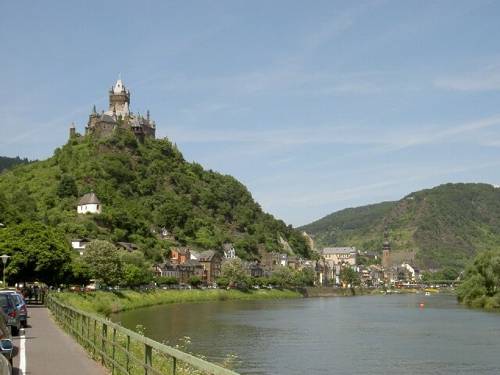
{"type": "Point", "coordinates": [349, 277]}
{"type": "Point", "coordinates": [195, 281]}
{"type": "Point", "coordinates": [38, 253]}
{"type": "Point", "coordinates": [104, 262]}
{"type": "Point", "coordinates": [233, 274]}
{"type": "Point", "coordinates": [481, 283]}
{"type": "Point", "coordinates": [283, 278]}
{"type": "Point", "coordinates": [166, 280]}
{"type": "Point", "coordinates": [305, 277]}
{"type": "Point", "coordinates": [134, 275]}
{"type": "Point", "coordinates": [67, 187]}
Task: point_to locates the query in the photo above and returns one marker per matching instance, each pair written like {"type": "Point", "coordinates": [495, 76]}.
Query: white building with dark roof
{"type": "Point", "coordinates": [340, 255]}
{"type": "Point", "coordinates": [89, 204]}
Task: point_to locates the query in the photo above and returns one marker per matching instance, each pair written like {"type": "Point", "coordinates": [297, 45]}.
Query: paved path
{"type": "Point", "coordinates": [50, 351]}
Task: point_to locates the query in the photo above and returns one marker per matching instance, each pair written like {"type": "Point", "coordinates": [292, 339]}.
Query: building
{"type": "Point", "coordinates": [79, 245]}
{"type": "Point", "coordinates": [211, 262]}
{"type": "Point", "coordinates": [180, 255]}
{"type": "Point", "coordinates": [386, 251]}
{"type": "Point", "coordinates": [118, 116]}
{"type": "Point", "coordinates": [340, 256]}
{"type": "Point", "coordinates": [229, 251]}
{"type": "Point", "coordinates": [89, 204]}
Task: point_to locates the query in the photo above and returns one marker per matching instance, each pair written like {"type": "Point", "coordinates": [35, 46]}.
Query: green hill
{"type": "Point", "coordinates": [6, 162]}
{"type": "Point", "coordinates": [446, 225]}
{"type": "Point", "coordinates": [143, 188]}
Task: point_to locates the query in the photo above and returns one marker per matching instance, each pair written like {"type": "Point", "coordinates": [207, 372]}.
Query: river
{"type": "Point", "coordinates": [344, 335]}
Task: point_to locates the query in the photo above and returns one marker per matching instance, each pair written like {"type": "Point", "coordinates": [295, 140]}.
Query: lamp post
{"type": "Point", "coordinates": [4, 257]}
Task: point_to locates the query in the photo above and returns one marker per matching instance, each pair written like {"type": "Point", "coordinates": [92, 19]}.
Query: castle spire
{"type": "Point", "coordinates": [147, 114]}
{"type": "Point", "coordinates": [94, 111]}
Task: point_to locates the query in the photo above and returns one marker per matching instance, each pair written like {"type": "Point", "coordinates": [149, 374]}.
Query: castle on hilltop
{"type": "Point", "coordinates": [117, 116]}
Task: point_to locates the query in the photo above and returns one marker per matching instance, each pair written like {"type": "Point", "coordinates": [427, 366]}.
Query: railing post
{"type": "Point", "coordinates": [113, 352]}
{"type": "Point", "coordinates": [128, 354]}
{"type": "Point", "coordinates": [174, 365]}
{"type": "Point", "coordinates": [104, 337]}
{"type": "Point", "coordinates": [95, 343]}
{"type": "Point", "coordinates": [148, 358]}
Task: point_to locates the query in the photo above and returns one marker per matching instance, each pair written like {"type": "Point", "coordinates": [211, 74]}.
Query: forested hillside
{"type": "Point", "coordinates": [143, 188]}
{"type": "Point", "coordinates": [6, 162]}
{"type": "Point", "coordinates": [447, 225]}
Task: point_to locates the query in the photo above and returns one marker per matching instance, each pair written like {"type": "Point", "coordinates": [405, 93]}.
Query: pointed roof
{"type": "Point", "coordinates": [119, 87]}
{"type": "Point", "coordinates": [89, 198]}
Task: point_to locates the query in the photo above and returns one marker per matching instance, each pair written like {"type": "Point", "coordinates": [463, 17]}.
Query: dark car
{"type": "Point", "coordinates": [22, 309]}
{"type": "Point", "coordinates": [8, 303]}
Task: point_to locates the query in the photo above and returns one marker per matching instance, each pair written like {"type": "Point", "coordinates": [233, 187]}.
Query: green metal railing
{"type": "Point", "coordinates": [124, 351]}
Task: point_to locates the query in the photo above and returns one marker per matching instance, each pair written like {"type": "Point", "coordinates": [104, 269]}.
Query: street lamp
{"type": "Point", "coordinates": [4, 257]}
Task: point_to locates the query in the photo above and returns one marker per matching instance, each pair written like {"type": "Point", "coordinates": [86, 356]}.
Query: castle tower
{"type": "Point", "coordinates": [72, 130]}
{"type": "Point", "coordinates": [119, 99]}
{"type": "Point", "coordinates": [386, 250]}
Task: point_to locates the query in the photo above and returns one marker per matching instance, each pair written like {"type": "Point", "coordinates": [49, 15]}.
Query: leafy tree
{"type": "Point", "coordinates": [134, 275]}
{"type": "Point", "coordinates": [67, 187]}
{"type": "Point", "coordinates": [233, 274]}
{"type": "Point", "coordinates": [104, 262]}
{"type": "Point", "coordinates": [166, 280]}
{"type": "Point", "coordinates": [481, 283]}
{"type": "Point", "coordinates": [38, 253]}
{"type": "Point", "coordinates": [80, 271]}
{"type": "Point", "coordinates": [195, 281]}
{"type": "Point", "coordinates": [283, 278]}
{"type": "Point", "coordinates": [349, 277]}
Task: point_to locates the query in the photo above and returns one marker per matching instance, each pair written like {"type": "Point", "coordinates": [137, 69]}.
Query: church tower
{"type": "Point", "coordinates": [119, 99]}
{"type": "Point", "coordinates": [386, 250]}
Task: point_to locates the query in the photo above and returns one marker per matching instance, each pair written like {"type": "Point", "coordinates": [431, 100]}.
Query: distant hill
{"type": "Point", "coordinates": [446, 225]}
{"type": "Point", "coordinates": [145, 188]}
{"type": "Point", "coordinates": [6, 162]}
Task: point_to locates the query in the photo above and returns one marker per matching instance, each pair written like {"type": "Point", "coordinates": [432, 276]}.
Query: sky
{"type": "Point", "coordinates": [314, 105]}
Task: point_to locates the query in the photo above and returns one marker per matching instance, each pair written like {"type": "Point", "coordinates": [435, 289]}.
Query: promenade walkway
{"type": "Point", "coordinates": [48, 350]}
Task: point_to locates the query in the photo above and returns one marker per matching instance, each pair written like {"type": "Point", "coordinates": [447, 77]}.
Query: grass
{"type": "Point", "coordinates": [106, 303]}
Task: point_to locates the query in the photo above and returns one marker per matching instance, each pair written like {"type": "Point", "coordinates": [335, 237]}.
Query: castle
{"type": "Point", "coordinates": [118, 115]}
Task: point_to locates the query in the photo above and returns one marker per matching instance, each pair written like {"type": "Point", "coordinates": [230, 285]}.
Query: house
{"type": "Point", "coordinates": [189, 269]}
{"type": "Point", "coordinates": [79, 245]}
{"type": "Point", "coordinates": [211, 262]}
{"type": "Point", "coordinates": [274, 260]}
{"type": "Point", "coordinates": [180, 255]}
{"type": "Point", "coordinates": [253, 269]}
{"type": "Point", "coordinates": [167, 269]}
{"type": "Point", "coordinates": [229, 251]}
{"type": "Point", "coordinates": [89, 204]}
{"type": "Point", "coordinates": [340, 255]}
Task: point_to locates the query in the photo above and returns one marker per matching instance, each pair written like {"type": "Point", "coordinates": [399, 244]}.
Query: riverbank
{"type": "Point", "coordinates": [106, 303]}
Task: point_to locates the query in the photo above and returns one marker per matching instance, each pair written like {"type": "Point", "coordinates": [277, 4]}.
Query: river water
{"type": "Point", "coordinates": [345, 335]}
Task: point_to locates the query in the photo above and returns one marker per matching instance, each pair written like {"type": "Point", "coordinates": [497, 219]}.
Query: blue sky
{"type": "Point", "coordinates": [314, 105]}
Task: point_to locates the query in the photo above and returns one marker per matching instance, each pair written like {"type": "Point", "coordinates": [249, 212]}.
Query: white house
{"type": "Point", "coordinates": [79, 245]}
{"type": "Point", "coordinates": [89, 204]}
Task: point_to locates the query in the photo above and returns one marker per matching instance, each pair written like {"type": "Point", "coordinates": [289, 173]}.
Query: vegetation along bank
{"type": "Point", "coordinates": [481, 283]}
{"type": "Point", "coordinates": [106, 303]}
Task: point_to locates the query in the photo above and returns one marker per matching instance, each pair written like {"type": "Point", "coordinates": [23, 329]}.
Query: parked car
{"type": "Point", "coordinates": [9, 308]}
{"type": "Point", "coordinates": [22, 309]}
{"type": "Point", "coordinates": [6, 345]}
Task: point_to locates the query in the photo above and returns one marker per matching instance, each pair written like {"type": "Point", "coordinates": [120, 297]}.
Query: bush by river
{"type": "Point", "coordinates": [106, 303]}
{"type": "Point", "coordinates": [481, 283]}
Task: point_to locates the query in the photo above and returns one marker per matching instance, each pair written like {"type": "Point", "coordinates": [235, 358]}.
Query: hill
{"type": "Point", "coordinates": [446, 225]}
{"type": "Point", "coordinates": [144, 187]}
{"type": "Point", "coordinates": [6, 162]}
